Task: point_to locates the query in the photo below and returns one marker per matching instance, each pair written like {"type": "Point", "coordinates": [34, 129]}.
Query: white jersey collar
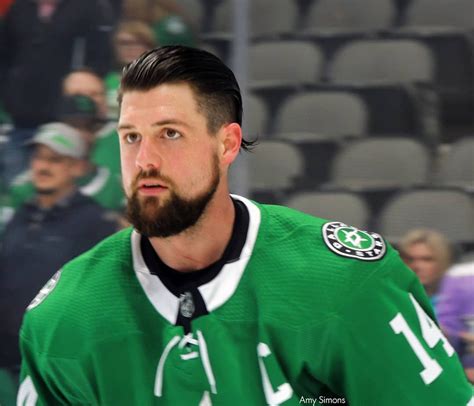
{"type": "Point", "coordinates": [214, 293]}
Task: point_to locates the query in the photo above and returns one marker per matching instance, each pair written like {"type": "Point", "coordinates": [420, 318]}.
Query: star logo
{"type": "Point", "coordinates": [354, 238]}
{"type": "Point", "coordinates": [351, 242]}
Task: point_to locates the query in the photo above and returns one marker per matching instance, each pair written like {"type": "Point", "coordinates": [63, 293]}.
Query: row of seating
{"type": "Point", "coordinates": [437, 85]}
{"type": "Point", "coordinates": [436, 38]}
{"type": "Point", "coordinates": [336, 112]}
{"type": "Point", "coordinates": [309, 16]}
{"type": "Point", "coordinates": [373, 164]}
{"type": "Point", "coordinates": [403, 212]}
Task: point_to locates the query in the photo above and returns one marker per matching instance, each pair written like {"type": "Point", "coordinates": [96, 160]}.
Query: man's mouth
{"type": "Point", "coordinates": [149, 187]}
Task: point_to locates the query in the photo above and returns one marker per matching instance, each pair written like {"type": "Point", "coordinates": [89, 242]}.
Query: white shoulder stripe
{"type": "Point", "coordinates": [216, 292]}
{"type": "Point", "coordinates": [161, 298]}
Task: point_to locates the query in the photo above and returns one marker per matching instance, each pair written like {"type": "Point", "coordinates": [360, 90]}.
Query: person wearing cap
{"type": "Point", "coordinates": [56, 225]}
{"type": "Point", "coordinates": [101, 181]}
{"type": "Point", "coordinates": [98, 181]}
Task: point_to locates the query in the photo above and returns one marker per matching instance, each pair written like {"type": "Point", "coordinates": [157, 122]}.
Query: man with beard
{"type": "Point", "coordinates": [214, 299]}
{"type": "Point", "coordinates": [56, 225]}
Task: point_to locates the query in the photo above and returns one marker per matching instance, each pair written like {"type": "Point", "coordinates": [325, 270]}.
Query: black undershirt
{"type": "Point", "coordinates": [184, 285]}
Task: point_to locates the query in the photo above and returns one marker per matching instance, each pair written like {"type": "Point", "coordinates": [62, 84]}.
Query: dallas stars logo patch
{"type": "Point", "coordinates": [351, 242]}
{"type": "Point", "coordinates": [45, 291]}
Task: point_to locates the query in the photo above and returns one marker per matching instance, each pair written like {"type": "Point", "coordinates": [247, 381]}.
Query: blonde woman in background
{"type": "Point", "coordinates": [428, 253]}
{"type": "Point", "coordinates": [131, 39]}
{"type": "Point", "coordinates": [169, 21]}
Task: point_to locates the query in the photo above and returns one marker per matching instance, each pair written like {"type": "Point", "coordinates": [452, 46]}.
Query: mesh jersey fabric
{"type": "Point", "coordinates": [302, 322]}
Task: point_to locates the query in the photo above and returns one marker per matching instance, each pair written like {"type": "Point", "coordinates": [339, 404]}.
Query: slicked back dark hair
{"type": "Point", "coordinates": [214, 85]}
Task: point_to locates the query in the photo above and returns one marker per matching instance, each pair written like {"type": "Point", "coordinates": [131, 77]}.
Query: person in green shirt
{"type": "Point", "coordinates": [213, 299]}
{"type": "Point", "coordinates": [171, 21]}
{"type": "Point", "coordinates": [105, 151]}
{"type": "Point", "coordinates": [101, 180]}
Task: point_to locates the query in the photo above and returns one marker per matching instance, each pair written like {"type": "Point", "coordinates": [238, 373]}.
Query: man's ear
{"type": "Point", "coordinates": [231, 139]}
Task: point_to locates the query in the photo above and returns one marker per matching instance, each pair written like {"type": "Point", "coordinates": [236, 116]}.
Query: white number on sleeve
{"type": "Point", "coordinates": [27, 395]}
{"type": "Point", "coordinates": [431, 334]}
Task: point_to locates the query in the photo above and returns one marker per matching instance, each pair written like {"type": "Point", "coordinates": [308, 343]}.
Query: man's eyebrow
{"type": "Point", "coordinates": [170, 121]}
{"type": "Point", "coordinates": [157, 124]}
{"type": "Point", "coordinates": [125, 127]}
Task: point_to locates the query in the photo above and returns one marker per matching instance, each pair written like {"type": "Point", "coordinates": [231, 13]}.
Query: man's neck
{"type": "Point", "coordinates": [46, 201]}
{"type": "Point", "coordinates": [204, 243]}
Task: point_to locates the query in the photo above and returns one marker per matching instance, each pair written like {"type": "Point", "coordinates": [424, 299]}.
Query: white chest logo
{"type": "Point", "coordinates": [45, 291]}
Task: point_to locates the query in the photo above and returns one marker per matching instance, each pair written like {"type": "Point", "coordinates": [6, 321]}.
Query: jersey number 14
{"type": "Point", "coordinates": [431, 335]}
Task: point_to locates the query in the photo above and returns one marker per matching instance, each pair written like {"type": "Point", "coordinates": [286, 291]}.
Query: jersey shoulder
{"type": "Point", "coordinates": [321, 262]}
{"type": "Point", "coordinates": [330, 241]}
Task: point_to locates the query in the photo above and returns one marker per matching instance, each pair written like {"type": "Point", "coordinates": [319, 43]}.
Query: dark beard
{"type": "Point", "coordinates": [174, 217]}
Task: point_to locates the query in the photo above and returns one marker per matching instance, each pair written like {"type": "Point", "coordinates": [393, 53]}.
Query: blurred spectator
{"type": "Point", "coordinates": [4, 6]}
{"type": "Point", "coordinates": [102, 181]}
{"type": "Point", "coordinates": [167, 19]}
{"type": "Point", "coordinates": [54, 227]}
{"type": "Point", "coordinates": [8, 388]}
{"type": "Point", "coordinates": [428, 253]}
{"type": "Point", "coordinates": [98, 182]}
{"type": "Point", "coordinates": [456, 312]}
{"type": "Point", "coordinates": [106, 149]}
{"type": "Point", "coordinates": [40, 41]}
{"type": "Point", "coordinates": [86, 82]}
{"type": "Point", "coordinates": [131, 39]}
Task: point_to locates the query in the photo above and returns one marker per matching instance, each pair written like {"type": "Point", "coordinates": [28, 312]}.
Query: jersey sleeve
{"type": "Point", "coordinates": [385, 348]}
{"type": "Point", "coordinates": [33, 389]}
{"type": "Point", "coordinates": [48, 380]}
{"type": "Point", "coordinates": [52, 369]}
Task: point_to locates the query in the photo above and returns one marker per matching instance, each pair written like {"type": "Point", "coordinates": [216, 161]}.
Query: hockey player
{"type": "Point", "coordinates": [212, 299]}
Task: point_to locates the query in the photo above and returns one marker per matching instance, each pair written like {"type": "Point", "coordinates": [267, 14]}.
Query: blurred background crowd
{"type": "Point", "coordinates": [364, 112]}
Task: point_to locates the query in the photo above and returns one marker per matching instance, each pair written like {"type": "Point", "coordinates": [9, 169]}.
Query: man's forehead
{"type": "Point", "coordinates": [167, 98]}
{"type": "Point", "coordinates": [168, 89]}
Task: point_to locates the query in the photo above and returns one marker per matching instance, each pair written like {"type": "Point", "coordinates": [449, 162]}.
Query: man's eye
{"type": "Point", "coordinates": [132, 138]}
{"type": "Point", "coordinates": [172, 134]}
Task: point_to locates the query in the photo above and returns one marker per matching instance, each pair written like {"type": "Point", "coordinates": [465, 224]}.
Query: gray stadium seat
{"type": "Point", "coordinates": [274, 166]}
{"type": "Point", "coordinates": [283, 63]}
{"type": "Point", "coordinates": [279, 68]}
{"type": "Point", "coordinates": [267, 18]}
{"type": "Point", "coordinates": [212, 49]}
{"type": "Point", "coordinates": [448, 211]}
{"type": "Point", "coordinates": [452, 51]}
{"type": "Point", "coordinates": [381, 163]}
{"type": "Point", "coordinates": [441, 13]}
{"type": "Point", "coordinates": [372, 61]}
{"type": "Point", "coordinates": [322, 115]}
{"type": "Point", "coordinates": [339, 206]}
{"type": "Point", "coordinates": [332, 16]}
{"type": "Point", "coordinates": [255, 116]}
{"type": "Point", "coordinates": [457, 167]}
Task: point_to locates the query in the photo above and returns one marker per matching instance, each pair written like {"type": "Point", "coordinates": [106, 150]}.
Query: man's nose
{"type": "Point", "coordinates": [148, 155]}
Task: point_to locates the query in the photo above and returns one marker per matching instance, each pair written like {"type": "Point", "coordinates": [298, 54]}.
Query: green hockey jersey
{"type": "Point", "coordinates": [311, 312]}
